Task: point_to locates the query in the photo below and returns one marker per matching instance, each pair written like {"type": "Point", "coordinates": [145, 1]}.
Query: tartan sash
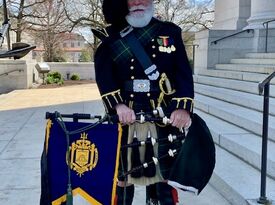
{"type": "Point", "coordinates": [121, 52]}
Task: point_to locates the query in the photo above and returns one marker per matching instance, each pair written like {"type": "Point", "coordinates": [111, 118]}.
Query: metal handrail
{"type": "Point", "coordinates": [264, 87]}
{"type": "Point", "coordinates": [266, 32]}
{"type": "Point", "coordinates": [264, 82]}
{"type": "Point", "coordinates": [8, 72]}
{"type": "Point", "coordinates": [233, 34]}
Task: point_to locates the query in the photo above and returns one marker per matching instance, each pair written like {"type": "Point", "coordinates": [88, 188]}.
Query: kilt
{"type": "Point", "coordinates": [165, 164]}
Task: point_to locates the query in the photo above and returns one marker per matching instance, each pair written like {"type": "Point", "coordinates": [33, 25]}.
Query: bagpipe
{"type": "Point", "coordinates": [82, 158]}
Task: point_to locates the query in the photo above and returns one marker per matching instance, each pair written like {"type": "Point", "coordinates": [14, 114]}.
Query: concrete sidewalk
{"type": "Point", "coordinates": [22, 120]}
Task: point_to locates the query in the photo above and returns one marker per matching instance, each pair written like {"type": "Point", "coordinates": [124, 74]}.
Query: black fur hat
{"type": "Point", "coordinates": [115, 11]}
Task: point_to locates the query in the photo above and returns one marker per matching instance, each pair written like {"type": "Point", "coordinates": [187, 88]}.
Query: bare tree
{"type": "Point", "coordinates": [50, 26]}
{"type": "Point", "coordinates": [43, 19]}
{"type": "Point", "coordinates": [86, 14]}
{"type": "Point", "coordinates": [20, 12]}
{"type": "Point", "coordinates": [188, 14]}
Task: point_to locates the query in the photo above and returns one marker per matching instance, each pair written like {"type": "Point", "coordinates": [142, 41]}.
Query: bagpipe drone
{"type": "Point", "coordinates": [82, 158]}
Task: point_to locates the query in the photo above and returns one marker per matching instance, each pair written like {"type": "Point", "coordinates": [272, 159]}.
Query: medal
{"type": "Point", "coordinates": [166, 44]}
{"type": "Point", "coordinates": [173, 48]}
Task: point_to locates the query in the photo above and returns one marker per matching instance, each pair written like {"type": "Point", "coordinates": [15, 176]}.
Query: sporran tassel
{"type": "Point", "coordinates": [135, 158]}
{"type": "Point", "coordinates": [149, 171]}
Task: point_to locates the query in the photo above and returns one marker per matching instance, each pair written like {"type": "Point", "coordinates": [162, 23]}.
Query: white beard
{"type": "Point", "coordinates": [142, 18]}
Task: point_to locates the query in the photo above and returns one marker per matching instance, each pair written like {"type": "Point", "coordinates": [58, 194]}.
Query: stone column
{"type": "Point", "coordinates": [231, 15]}
{"type": "Point", "coordinates": [261, 10]}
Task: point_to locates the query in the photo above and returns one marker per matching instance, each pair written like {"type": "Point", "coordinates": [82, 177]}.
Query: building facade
{"type": "Point", "coordinates": [71, 45]}
{"type": "Point", "coordinates": [238, 29]}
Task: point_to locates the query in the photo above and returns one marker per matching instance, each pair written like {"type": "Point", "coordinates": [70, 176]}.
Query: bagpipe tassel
{"type": "Point", "coordinates": [149, 171]}
{"type": "Point", "coordinates": [135, 158]}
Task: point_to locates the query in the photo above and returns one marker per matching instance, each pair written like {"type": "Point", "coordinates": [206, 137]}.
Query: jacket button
{"type": "Point", "coordinates": [154, 47]}
{"type": "Point", "coordinates": [154, 55]}
{"type": "Point", "coordinates": [132, 67]}
{"type": "Point", "coordinates": [148, 94]}
{"type": "Point", "coordinates": [132, 77]}
{"type": "Point", "coordinates": [132, 60]}
{"type": "Point", "coordinates": [132, 95]}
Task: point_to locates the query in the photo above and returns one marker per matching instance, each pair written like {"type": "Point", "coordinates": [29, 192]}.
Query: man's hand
{"type": "Point", "coordinates": [180, 118]}
{"type": "Point", "coordinates": [125, 114]}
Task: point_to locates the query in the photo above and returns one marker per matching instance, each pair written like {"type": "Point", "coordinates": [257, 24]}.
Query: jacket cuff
{"type": "Point", "coordinates": [185, 103]}
{"type": "Point", "coordinates": [111, 99]}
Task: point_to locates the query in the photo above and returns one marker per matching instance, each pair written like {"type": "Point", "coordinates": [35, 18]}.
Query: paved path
{"type": "Point", "coordinates": [22, 114]}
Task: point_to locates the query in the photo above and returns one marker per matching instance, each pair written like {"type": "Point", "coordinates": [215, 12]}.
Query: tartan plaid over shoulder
{"type": "Point", "coordinates": [121, 52]}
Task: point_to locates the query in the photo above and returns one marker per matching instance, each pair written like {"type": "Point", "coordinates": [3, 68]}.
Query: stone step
{"type": "Point", "coordinates": [249, 87]}
{"type": "Point", "coordinates": [236, 180]}
{"type": "Point", "coordinates": [260, 55]}
{"type": "Point", "coordinates": [245, 145]}
{"type": "Point", "coordinates": [246, 68]}
{"type": "Point", "coordinates": [237, 75]}
{"type": "Point", "coordinates": [242, 117]}
{"type": "Point", "coordinates": [258, 61]}
{"type": "Point", "coordinates": [248, 100]}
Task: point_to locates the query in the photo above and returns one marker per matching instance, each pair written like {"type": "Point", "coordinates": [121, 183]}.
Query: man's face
{"type": "Point", "coordinates": [138, 7]}
{"type": "Point", "coordinates": [140, 12]}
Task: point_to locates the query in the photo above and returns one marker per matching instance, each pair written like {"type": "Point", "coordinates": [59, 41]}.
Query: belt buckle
{"type": "Point", "coordinates": [141, 85]}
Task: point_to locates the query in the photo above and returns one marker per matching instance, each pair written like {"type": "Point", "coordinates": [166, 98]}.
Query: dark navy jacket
{"type": "Point", "coordinates": [115, 65]}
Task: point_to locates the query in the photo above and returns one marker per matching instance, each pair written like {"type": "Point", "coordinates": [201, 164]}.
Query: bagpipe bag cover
{"type": "Point", "coordinates": [95, 156]}
{"type": "Point", "coordinates": [196, 159]}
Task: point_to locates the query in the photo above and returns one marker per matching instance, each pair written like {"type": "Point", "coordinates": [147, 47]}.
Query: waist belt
{"type": "Point", "coordinates": [141, 85]}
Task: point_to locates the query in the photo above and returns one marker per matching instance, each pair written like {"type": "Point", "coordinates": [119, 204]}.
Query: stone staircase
{"type": "Point", "coordinates": [227, 99]}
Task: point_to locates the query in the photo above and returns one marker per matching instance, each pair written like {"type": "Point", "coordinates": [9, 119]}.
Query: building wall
{"type": "Point", "coordinates": [85, 70]}
{"type": "Point", "coordinates": [20, 78]}
{"type": "Point", "coordinates": [231, 15]}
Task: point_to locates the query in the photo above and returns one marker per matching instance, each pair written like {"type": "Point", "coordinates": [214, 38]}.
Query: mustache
{"type": "Point", "coordinates": [138, 7]}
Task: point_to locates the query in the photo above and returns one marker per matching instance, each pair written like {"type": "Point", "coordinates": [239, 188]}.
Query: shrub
{"type": "Point", "coordinates": [60, 82]}
{"type": "Point", "coordinates": [54, 77]}
{"type": "Point", "coordinates": [49, 80]}
{"type": "Point", "coordinates": [75, 76]}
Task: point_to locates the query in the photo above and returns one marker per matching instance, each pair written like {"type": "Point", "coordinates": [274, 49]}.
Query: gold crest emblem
{"type": "Point", "coordinates": [84, 155]}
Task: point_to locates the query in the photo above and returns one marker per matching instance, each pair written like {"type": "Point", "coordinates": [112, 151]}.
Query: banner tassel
{"type": "Point", "coordinates": [69, 200]}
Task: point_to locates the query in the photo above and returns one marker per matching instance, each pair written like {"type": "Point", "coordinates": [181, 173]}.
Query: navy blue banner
{"type": "Point", "coordinates": [93, 158]}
